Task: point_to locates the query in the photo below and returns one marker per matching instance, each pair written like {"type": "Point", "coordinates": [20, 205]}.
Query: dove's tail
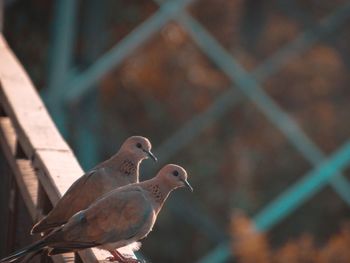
{"type": "Point", "coordinates": [37, 246]}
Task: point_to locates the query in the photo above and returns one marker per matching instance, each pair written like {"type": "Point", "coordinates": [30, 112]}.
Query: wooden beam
{"type": "Point", "coordinates": [22, 103]}
{"type": "Point", "coordinates": [26, 179]}
{"type": "Point", "coordinates": [29, 124]}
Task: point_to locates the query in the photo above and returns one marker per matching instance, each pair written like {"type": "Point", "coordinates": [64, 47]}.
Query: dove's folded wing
{"type": "Point", "coordinates": [117, 217]}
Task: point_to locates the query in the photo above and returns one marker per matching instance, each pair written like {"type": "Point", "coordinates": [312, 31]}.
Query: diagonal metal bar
{"type": "Point", "coordinates": [304, 189]}
{"type": "Point", "coordinates": [305, 41]}
{"type": "Point", "coordinates": [230, 98]}
{"type": "Point", "coordinates": [184, 135]}
{"type": "Point", "coordinates": [291, 199]}
{"type": "Point", "coordinates": [294, 11]}
{"type": "Point", "coordinates": [83, 82]}
{"type": "Point", "coordinates": [251, 88]}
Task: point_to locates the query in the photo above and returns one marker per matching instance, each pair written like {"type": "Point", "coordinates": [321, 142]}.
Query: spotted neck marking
{"type": "Point", "coordinates": [156, 193]}
{"type": "Point", "coordinates": [128, 167]}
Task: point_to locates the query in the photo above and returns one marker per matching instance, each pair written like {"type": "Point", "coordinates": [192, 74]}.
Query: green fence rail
{"type": "Point", "coordinates": [67, 85]}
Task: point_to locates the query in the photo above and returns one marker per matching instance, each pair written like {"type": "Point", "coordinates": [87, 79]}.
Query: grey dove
{"type": "Point", "coordinates": [119, 218]}
{"type": "Point", "coordinates": [121, 169]}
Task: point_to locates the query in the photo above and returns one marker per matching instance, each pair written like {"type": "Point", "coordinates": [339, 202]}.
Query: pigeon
{"type": "Point", "coordinates": [119, 218]}
{"type": "Point", "coordinates": [121, 169]}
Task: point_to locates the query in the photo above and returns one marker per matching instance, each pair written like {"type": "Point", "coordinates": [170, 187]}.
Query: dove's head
{"type": "Point", "coordinates": [175, 176]}
{"type": "Point", "coordinates": [138, 146]}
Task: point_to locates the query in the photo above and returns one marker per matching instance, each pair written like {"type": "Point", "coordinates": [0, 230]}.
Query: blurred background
{"type": "Point", "coordinates": [250, 96]}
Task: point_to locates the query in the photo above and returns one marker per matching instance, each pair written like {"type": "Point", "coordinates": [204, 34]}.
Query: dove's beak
{"type": "Point", "coordinates": [187, 184]}
{"type": "Point", "coordinates": [151, 155]}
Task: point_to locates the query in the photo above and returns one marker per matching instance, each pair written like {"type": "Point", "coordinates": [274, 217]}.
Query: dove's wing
{"type": "Point", "coordinates": [121, 215]}
{"type": "Point", "coordinates": [79, 194]}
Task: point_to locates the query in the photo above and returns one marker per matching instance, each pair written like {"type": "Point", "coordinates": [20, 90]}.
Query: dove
{"type": "Point", "coordinates": [121, 169]}
{"type": "Point", "coordinates": [117, 219]}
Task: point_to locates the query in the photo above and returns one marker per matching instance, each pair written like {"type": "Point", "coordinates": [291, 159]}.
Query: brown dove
{"type": "Point", "coordinates": [121, 169]}
{"type": "Point", "coordinates": [119, 218]}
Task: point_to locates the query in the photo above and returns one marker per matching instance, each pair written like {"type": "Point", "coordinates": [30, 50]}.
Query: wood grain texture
{"type": "Point", "coordinates": [23, 105]}
{"type": "Point", "coordinates": [24, 174]}
{"type": "Point", "coordinates": [50, 161]}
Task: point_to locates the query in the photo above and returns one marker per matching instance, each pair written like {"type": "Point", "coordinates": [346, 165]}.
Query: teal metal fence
{"type": "Point", "coordinates": [67, 85]}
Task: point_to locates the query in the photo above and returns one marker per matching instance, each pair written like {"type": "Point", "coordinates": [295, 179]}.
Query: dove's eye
{"type": "Point", "coordinates": [175, 173]}
{"type": "Point", "coordinates": [139, 145]}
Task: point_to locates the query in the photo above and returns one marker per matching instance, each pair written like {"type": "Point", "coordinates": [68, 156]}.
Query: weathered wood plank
{"type": "Point", "coordinates": [25, 177]}
{"type": "Point", "coordinates": [9, 134]}
{"type": "Point", "coordinates": [56, 165]}
{"type": "Point", "coordinates": [64, 258]}
{"type": "Point", "coordinates": [24, 173]}
{"type": "Point", "coordinates": [58, 170]}
{"type": "Point", "coordinates": [21, 102]}
{"type": "Point", "coordinates": [31, 183]}
{"type": "Point", "coordinates": [38, 136]}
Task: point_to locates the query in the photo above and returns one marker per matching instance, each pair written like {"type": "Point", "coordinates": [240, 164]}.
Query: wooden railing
{"type": "Point", "coordinates": [41, 164]}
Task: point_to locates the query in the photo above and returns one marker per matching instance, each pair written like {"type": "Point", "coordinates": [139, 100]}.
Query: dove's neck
{"type": "Point", "coordinates": [159, 192]}
{"type": "Point", "coordinates": [126, 164]}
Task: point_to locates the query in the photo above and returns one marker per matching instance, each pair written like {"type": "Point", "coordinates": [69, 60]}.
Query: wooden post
{"type": "Point", "coordinates": [12, 215]}
{"type": "Point", "coordinates": [5, 177]}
